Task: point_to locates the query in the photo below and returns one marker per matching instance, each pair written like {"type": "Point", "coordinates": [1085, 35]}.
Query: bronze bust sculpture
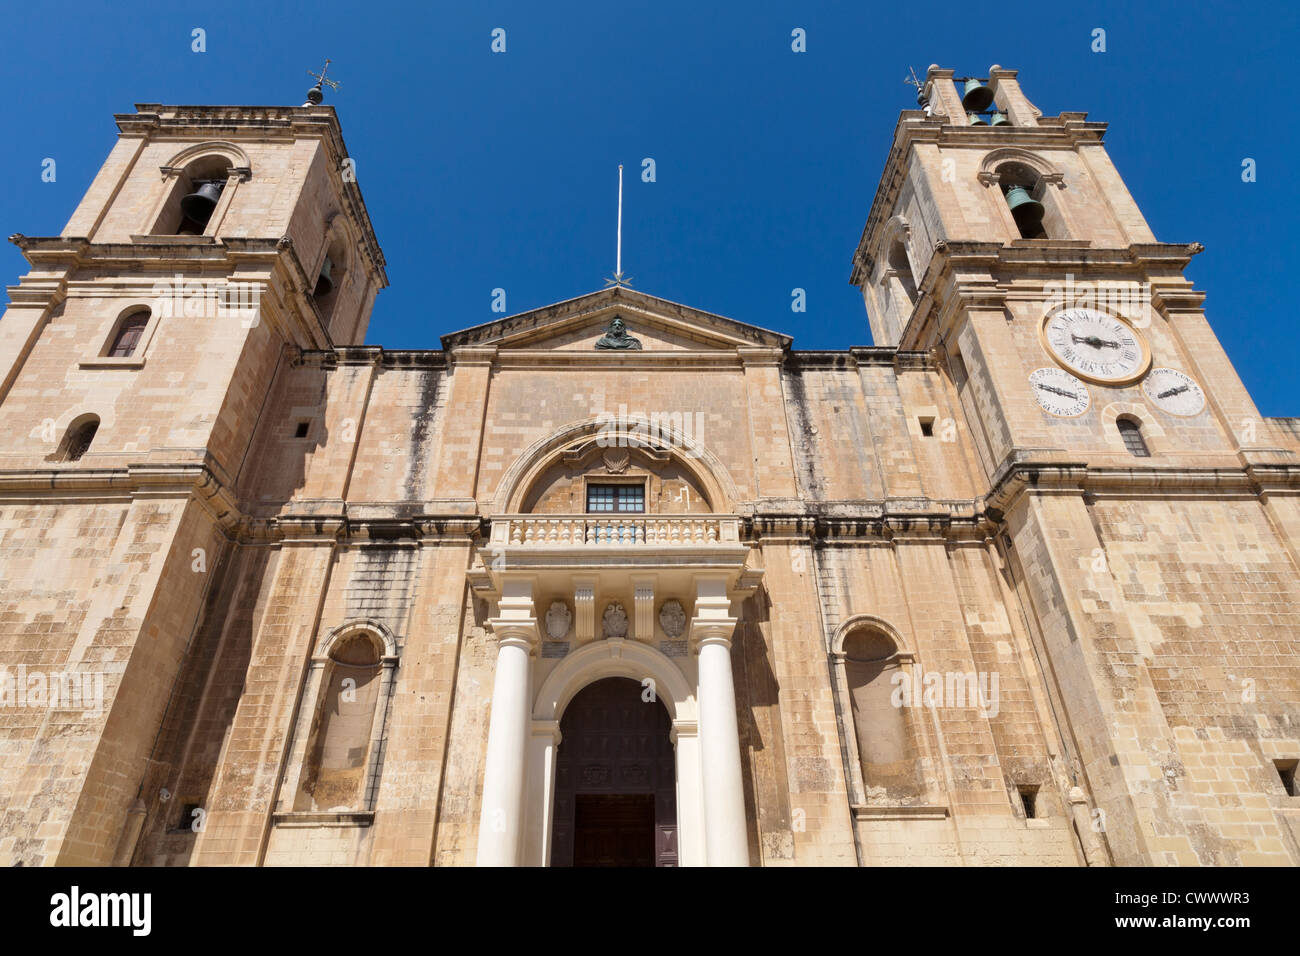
{"type": "Point", "coordinates": [616, 337]}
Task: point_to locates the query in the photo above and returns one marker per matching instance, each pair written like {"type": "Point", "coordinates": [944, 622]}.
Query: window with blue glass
{"type": "Point", "coordinates": [615, 498]}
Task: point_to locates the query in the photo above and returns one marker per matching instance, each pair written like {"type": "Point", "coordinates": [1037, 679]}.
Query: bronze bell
{"type": "Point", "coordinates": [324, 284]}
{"type": "Point", "coordinates": [199, 204]}
{"type": "Point", "coordinates": [977, 97]}
{"type": "Point", "coordinates": [974, 119]}
{"type": "Point", "coordinates": [1000, 119]}
{"type": "Point", "coordinates": [1027, 210]}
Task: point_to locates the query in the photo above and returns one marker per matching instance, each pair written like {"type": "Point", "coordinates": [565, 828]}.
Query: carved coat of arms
{"type": "Point", "coordinates": [672, 618]}
{"type": "Point", "coordinates": [614, 622]}
{"type": "Point", "coordinates": [558, 618]}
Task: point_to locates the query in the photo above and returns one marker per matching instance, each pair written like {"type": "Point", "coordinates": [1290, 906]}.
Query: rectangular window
{"type": "Point", "coordinates": [615, 498]}
{"type": "Point", "coordinates": [1029, 799]}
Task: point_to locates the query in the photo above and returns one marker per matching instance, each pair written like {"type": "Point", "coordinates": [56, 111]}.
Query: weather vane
{"type": "Point", "coordinates": [315, 95]}
{"type": "Point", "coordinates": [911, 80]}
{"type": "Point", "coordinates": [619, 281]}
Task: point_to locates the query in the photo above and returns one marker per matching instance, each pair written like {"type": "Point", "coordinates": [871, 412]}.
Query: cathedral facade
{"type": "Point", "coordinates": [619, 581]}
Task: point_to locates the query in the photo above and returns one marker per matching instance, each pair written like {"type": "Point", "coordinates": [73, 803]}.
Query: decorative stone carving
{"type": "Point", "coordinates": [672, 618]}
{"type": "Point", "coordinates": [614, 623]}
{"type": "Point", "coordinates": [558, 619]}
{"type": "Point", "coordinates": [584, 600]}
{"type": "Point", "coordinates": [616, 460]}
{"type": "Point", "coordinates": [644, 596]}
{"type": "Point", "coordinates": [616, 337]}
{"type": "Point", "coordinates": [595, 775]}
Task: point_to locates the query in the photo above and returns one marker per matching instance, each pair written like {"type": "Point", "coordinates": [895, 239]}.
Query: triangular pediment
{"type": "Point", "coordinates": [576, 325]}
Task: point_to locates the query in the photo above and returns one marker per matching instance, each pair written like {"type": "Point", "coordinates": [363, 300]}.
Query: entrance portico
{"type": "Point", "coordinates": [680, 578]}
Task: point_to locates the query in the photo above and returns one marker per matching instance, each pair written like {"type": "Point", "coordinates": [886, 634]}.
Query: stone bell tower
{"type": "Point", "coordinates": [1123, 458]}
{"type": "Point", "coordinates": [136, 357]}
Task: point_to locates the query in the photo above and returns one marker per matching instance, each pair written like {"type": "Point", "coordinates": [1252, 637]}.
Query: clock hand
{"type": "Point", "coordinates": [1058, 391]}
{"type": "Point", "coordinates": [1094, 341]}
{"type": "Point", "coordinates": [1173, 391]}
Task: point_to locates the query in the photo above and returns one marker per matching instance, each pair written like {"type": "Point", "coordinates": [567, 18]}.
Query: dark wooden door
{"type": "Point", "coordinates": [615, 780]}
{"type": "Point", "coordinates": [614, 829]}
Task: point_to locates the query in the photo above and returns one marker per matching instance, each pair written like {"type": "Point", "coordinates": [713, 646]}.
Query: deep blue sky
{"type": "Point", "coordinates": [483, 170]}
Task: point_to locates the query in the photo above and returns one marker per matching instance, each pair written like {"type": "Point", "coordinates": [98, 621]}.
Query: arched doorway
{"type": "Point", "coordinates": [615, 784]}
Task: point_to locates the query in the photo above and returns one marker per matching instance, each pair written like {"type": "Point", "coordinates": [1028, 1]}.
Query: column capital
{"type": "Point", "coordinates": [547, 728]}
{"type": "Point", "coordinates": [683, 728]}
{"type": "Point", "coordinates": [713, 622]}
{"type": "Point", "coordinates": [517, 632]}
{"type": "Point", "coordinates": [706, 631]}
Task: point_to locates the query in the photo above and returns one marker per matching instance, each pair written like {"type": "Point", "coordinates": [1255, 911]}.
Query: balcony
{"type": "Point", "coordinates": [614, 540]}
{"type": "Point", "coordinates": [614, 530]}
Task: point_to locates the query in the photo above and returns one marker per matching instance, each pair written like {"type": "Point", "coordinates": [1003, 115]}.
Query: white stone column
{"type": "Point", "coordinates": [501, 821]}
{"type": "Point", "coordinates": [725, 837]}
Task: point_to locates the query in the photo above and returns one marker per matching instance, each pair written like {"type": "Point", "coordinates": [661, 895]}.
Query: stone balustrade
{"type": "Point", "coordinates": [614, 530]}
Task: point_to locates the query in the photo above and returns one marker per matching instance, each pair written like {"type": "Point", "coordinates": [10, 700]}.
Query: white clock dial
{"type": "Point", "coordinates": [1059, 392]}
{"type": "Point", "coordinates": [1095, 346]}
{"type": "Point", "coordinates": [1174, 392]}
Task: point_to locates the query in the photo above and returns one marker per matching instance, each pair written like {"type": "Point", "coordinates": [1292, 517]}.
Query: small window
{"type": "Point", "coordinates": [191, 813]}
{"type": "Point", "coordinates": [607, 498]}
{"type": "Point", "coordinates": [301, 430]}
{"type": "Point", "coordinates": [1286, 770]}
{"type": "Point", "coordinates": [77, 441]}
{"type": "Point", "coordinates": [1029, 799]}
{"type": "Point", "coordinates": [1131, 432]}
{"type": "Point", "coordinates": [927, 427]}
{"type": "Point", "coordinates": [127, 337]}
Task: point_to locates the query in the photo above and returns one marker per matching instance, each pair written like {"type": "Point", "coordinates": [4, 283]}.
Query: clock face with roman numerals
{"type": "Point", "coordinates": [1059, 392]}
{"type": "Point", "coordinates": [1096, 346]}
{"type": "Point", "coordinates": [1174, 392]}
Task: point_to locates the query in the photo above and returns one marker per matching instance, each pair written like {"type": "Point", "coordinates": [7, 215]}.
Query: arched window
{"type": "Point", "coordinates": [886, 741]}
{"type": "Point", "coordinates": [903, 284]}
{"type": "Point", "coordinates": [340, 759]}
{"type": "Point", "coordinates": [77, 439]}
{"type": "Point", "coordinates": [127, 337]}
{"type": "Point", "coordinates": [1131, 431]}
{"type": "Point", "coordinates": [332, 275]}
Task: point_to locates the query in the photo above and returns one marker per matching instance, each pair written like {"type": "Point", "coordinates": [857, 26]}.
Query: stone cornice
{"type": "Point", "coordinates": [1077, 478]}
{"type": "Point", "coordinates": [860, 356]}
{"type": "Point", "coordinates": [964, 275]}
{"type": "Point", "coordinates": [895, 519]}
{"type": "Point", "coordinates": [566, 313]}
{"type": "Point", "coordinates": [371, 355]}
{"type": "Point", "coordinates": [231, 259]}
{"type": "Point", "coordinates": [359, 522]}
